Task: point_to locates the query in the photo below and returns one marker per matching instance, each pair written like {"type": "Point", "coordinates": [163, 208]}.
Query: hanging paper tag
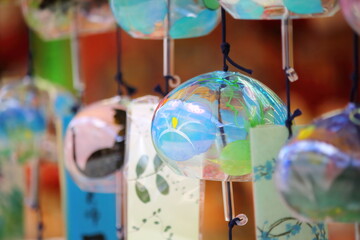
{"type": "Point", "coordinates": [272, 219]}
{"type": "Point", "coordinates": [158, 200]}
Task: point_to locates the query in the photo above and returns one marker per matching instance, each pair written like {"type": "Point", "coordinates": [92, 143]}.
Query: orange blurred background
{"type": "Point", "coordinates": [323, 61]}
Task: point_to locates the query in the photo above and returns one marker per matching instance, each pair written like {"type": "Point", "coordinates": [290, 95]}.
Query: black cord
{"type": "Point", "coordinates": [119, 76]}
{"type": "Point", "coordinates": [225, 48]}
{"type": "Point", "coordinates": [158, 88]}
{"type": "Point", "coordinates": [355, 75]}
{"type": "Point", "coordinates": [290, 116]}
{"type": "Point", "coordinates": [30, 73]}
{"type": "Point", "coordinates": [40, 226]}
{"type": "Point", "coordinates": [231, 225]}
{"type": "Point", "coordinates": [167, 73]}
{"type": "Point", "coordinates": [232, 222]}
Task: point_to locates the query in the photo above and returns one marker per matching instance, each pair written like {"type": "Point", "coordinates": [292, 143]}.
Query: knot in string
{"type": "Point", "coordinates": [40, 229]}
{"type": "Point", "coordinates": [75, 108]}
{"type": "Point", "coordinates": [239, 220]}
{"type": "Point", "coordinates": [231, 225]}
{"type": "Point", "coordinates": [121, 84]}
{"type": "Point", "coordinates": [290, 119]}
{"type": "Point", "coordinates": [167, 79]}
{"type": "Point", "coordinates": [225, 48]}
{"type": "Point", "coordinates": [233, 222]}
{"type": "Point", "coordinates": [119, 76]}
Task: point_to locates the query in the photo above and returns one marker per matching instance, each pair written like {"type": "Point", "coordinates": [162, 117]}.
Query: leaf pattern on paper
{"type": "Point", "coordinates": [156, 220]}
{"type": "Point", "coordinates": [141, 165]}
{"type": "Point", "coordinates": [158, 163]}
{"type": "Point", "coordinates": [142, 192]}
{"type": "Point", "coordinates": [162, 185]}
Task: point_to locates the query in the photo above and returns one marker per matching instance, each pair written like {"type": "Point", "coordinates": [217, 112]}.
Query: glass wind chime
{"type": "Point", "coordinates": [29, 110]}
{"type": "Point", "coordinates": [286, 11]}
{"type": "Point", "coordinates": [59, 19]}
{"type": "Point", "coordinates": [200, 129]}
{"type": "Point", "coordinates": [95, 142]}
{"type": "Point", "coordinates": [151, 186]}
{"type": "Point", "coordinates": [53, 19]}
{"type": "Point", "coordinates": [318, 169]}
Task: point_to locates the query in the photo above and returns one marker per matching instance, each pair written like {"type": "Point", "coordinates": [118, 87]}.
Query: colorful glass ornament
{"type": "Point", "coordinates": [350, 10]}
{"type": "Point", "coordinates": [54, 19]}
{"type": "Point", "coordinates": [201, 129]}
{"type": "Point", "coordinates": [28, 111]}
{"type": "Point", "coordinates": [148, 18]}
{"type": "Point", "coordinates": [95, 144]}
{"type": "Point", "coordinates": [318, 171]}
{"type": "Point", "coordinates": [276, 9]}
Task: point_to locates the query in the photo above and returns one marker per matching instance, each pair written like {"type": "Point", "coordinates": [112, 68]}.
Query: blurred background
{"type": "Point", "coordinates": [323, 61]}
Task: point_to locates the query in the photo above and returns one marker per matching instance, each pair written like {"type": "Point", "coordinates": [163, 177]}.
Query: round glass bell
{"type": "Point", "coordinates": [28, 111]}
{"type": "Point", "coordinates": [54, 19]}
{"type": "Point", "coordinates": [148, 18]}
{"type": "Point", "coordinates": [350, 10]}
{"type": "Point", "coordinates": [276, 9]}
{"type": "Point", "coordinates": [201, 129]}
{"type": "Point", "coordinates": [318, 170]}
{"type": "Point", "coordinates": [95, 145]}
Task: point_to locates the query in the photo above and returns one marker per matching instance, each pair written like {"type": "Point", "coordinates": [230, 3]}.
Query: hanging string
{"type": "Point", "coordinates": [168, 48]}
{"type": "Point", "coordinates": [30, 65]}
{"type": "Point", "coordinates": [289, 72]}
{"type": "Point", "coordinates": [290, 116]}
{"type": "Point", "coordinates": [34, 204]}
{"type": "Point", "coordinates": [40, 225]}
{"type": "Point", "coordinates": [119, 76]}
{"type": "Point", "coordinates": [355, 75]}
{"type": "Point", "coordinates": [225, 47]}
{"type": "Point", "coordinates": [231, 225]}
{"type": "Point", "coordinates": [233, 221]}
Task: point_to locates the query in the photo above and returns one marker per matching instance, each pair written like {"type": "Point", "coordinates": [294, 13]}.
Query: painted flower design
{"type": "Point", "coordinates": [183, 129]}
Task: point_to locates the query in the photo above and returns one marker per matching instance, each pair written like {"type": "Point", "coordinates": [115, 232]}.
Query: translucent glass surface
{"type": "Point", "coordinates": [28, 111]}
{"type": "Point", "coordinates": [54, 19]}
{"type": "Point", "coordinates": [275, 9]}
{"type": "Point", "coordinates": [95, 145]}
{"type": "Point", "coordinates": [351, 12]}
{"type": "Point", "coordinates": [201, 129]}
{"type": "Point", "coordinates": [147, 18]}
{"type": "Point", "coordinates": [318, 172]}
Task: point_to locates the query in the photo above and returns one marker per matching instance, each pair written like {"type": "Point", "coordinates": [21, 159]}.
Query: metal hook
{"type": "Point", "coordinates": [243, 219]}
{"type": "Point", "coordinates": [354, 116]}
{"type": "Point", "coordinates": [175, 81]}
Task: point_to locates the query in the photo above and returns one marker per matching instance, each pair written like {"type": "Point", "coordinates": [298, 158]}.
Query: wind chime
{"type": "Point", "coordinates": [150, 185]}
{"type": "Point", "coordinates": [200, 129]}
{"type": "Point", "coordinates": [53, 19]}
{"type": "Point", "coordinates": [318, 172]}
{"type": "Point", "coordinates": [29, 110]}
